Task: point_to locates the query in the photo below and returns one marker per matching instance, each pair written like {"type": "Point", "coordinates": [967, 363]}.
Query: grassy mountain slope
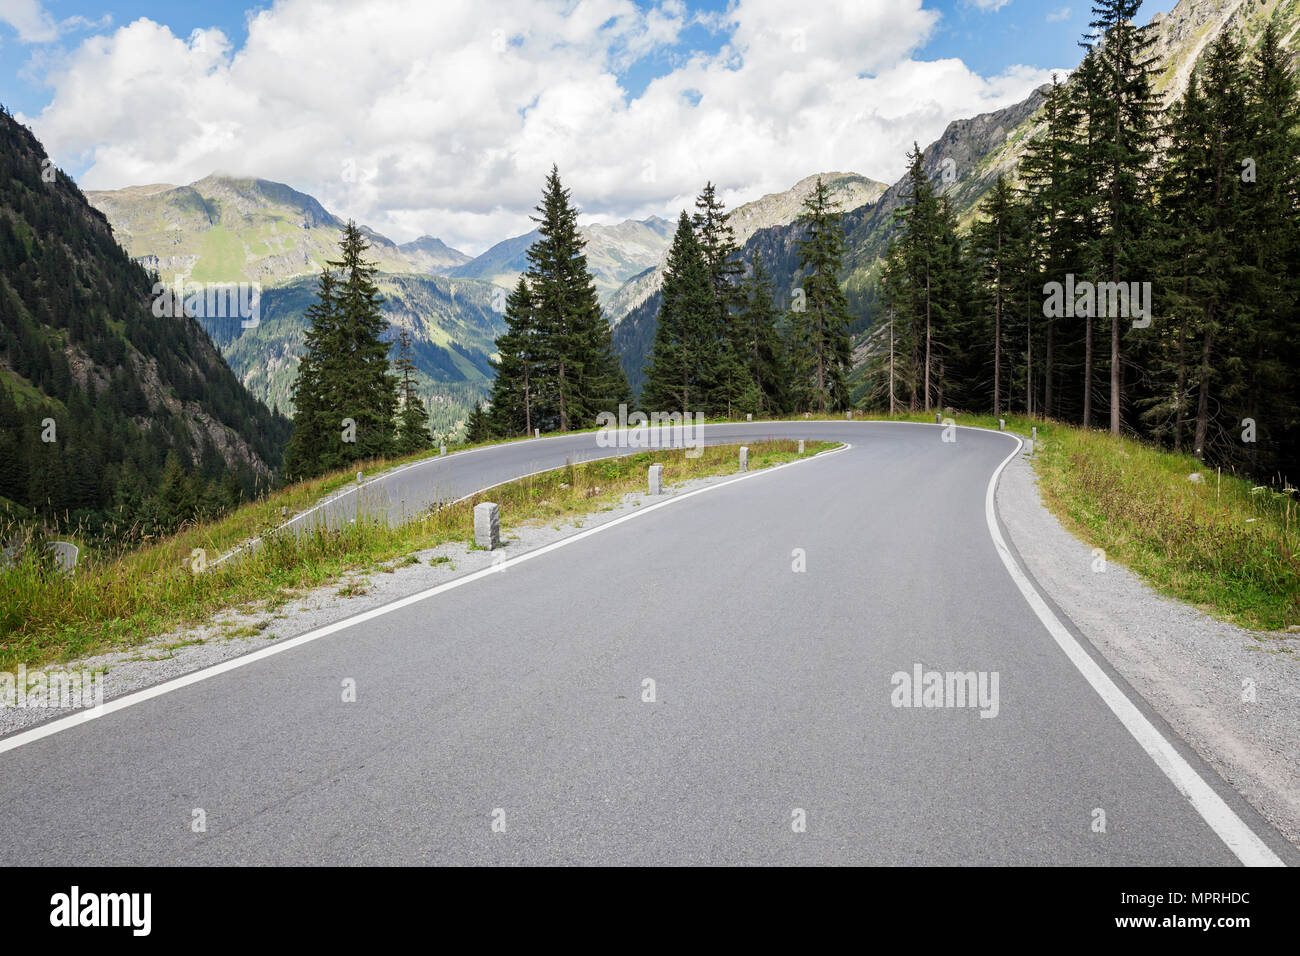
{"type": "Point", "coordinates": [226, 229]}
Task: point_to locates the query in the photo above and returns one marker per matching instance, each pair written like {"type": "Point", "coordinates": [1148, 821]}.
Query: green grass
{"type": "Point", "coordinates": [1229, 547]}
{"type": "Point", "coordinates": [118, 602]}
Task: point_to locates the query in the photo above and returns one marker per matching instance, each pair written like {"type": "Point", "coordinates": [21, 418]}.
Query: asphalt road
{"type": "Point", "coordinates": [517, 700]}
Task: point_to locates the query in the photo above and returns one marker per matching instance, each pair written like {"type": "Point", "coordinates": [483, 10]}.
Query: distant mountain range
{"type": "Point", "coordinates": [225, 229]}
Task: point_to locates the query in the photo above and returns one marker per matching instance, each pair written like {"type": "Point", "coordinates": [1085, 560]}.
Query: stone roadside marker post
{"type": "Point", "coordinates": [487, 526]}
{"type": "Point", "coordinates": [744, 458]}
{"type": "Point", "coordinates": [442, 450]}
{"type": "Point", "coordinates": [65, 555]}
{"type": "Point", "coordinates": [938, 418]}
{"type": "Point", "coordinates": [1002, 424]}
{"type": "Point", "coordinates": [656, 479]}
{"type": "Point", "coordinates": [801, 446]}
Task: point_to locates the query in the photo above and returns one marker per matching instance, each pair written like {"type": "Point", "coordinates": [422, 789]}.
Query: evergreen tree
{"type": "Point", "coordinates": [1208, 351]}
{"type": "Point", "coordinates": [1122, 112]}
{"type": "Point", "coordinates": [998, 246]}
{"type": "Point", "coordinates": [514, 389]}
{"type": "Point", "coordinates": [479, 426]}
{"type": "Point", "coordinates": [765, 353]}
{"type": "Point", "coordinates": [303, 457]}
{"type": "Point", "coordinates": [1051, 172]}
{"type": "Point", "coordinates": [580, 373]}
{"type": "Point", "coordinates": [356, 381]}
{"type": "Point", "coordinates": [683, 366]}
{"type": "Point", "coordinates": [733, 386]}
{"type": "Point", "coordinates": [413, 421]}
{"type": "Point", "coordinates": [924, 272]}
{"type": "Point", "coordinates": [1271, 193]}
{"type": "Point", "coordinates": [822, 319]}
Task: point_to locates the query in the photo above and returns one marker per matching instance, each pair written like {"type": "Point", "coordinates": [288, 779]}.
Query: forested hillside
{"type": "Point", "coordinates": [1136, 271]}
{"type": "Point", "coordinates": [112, 419]}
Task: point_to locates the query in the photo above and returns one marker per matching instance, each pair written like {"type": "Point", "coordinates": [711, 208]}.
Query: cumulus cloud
{"type": "Point", "coordinates": [1059, 16]}
{"type": "Point", "coordinates": [29, 20]}
{"type": "Point", "coordinates": [447, 123]}
{"type": "Point", "coordinates": [33, 23]}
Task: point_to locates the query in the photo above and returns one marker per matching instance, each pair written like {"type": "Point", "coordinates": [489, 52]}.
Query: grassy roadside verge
{"type": "Point", "coordinates": [1229, 547]}
{"type": "Point", "coordinates": [115, 603]}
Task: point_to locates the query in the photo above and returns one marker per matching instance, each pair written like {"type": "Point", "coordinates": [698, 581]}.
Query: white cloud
{"type": "Point", "coordinates": [29, 19]}
{"type": "Point", "coordinates": [33, 23]}
{"type": "Point", "coordinates": [1059, 16]}
{"type": "Point", "coordinates": [448, 125]}
{"type": "Point", "coordinates": [989, 6]}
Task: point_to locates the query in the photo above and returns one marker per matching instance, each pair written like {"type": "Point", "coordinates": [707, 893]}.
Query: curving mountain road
{"type": "Point", "coordinates": [775, 734]}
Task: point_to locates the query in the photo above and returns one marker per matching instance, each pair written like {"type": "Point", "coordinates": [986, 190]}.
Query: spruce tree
{"type": "Point", "coordinates": [1271, 193]}
{"type": "Point", "coordinates": [357, 384]}
{"type": "Point", "coordinates": [759, 325]}
{"type": "Point", "coordinates": [1051, 174]}
{"type": "Point", "coordinates": [580, 372]}
{"type": "Point", "coordinates": [303, 458]}
{"type": "Point", "coordinates": [1210, 294]}
{"type": "Point", "coordinates": [413, 420]}
{"type": "Point", "coordinates": [680, 374]}
{"type": "Point", "coordinates": [998, 245]}
{"type": "Point", "coordinates": [514, 389]}
{"type": "Point", "coordinates": [822, 322]}
{"type": "Point", "coordinates": [734, 386]}
{"type": "Point", "coordinates": [1123, 115]}
{"type": "Point", "coordinates": [479, 426]}
{"type": "Point", "coordinates": [923, 270]}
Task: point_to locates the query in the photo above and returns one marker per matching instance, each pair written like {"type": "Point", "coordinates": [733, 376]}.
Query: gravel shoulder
{"type": "Point", "coordinates": [242, 631]}
{"type": "Point", "coordinates": [1232, 694]}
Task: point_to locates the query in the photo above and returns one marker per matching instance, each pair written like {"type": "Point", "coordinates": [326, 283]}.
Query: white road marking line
{"type": "Point", "coordinates": [149, 693]}
{"type": "Point", "coordinates": [1231, 829]}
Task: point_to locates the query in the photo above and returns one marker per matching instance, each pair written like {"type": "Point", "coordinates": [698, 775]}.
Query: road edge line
{"type": "Point", "coordinates": [1244, 843]}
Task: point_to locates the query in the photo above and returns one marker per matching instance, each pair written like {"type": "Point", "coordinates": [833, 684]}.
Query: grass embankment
{"type": "Point", "coordinates": [1227, 546]}
{"type": "Point", "coordinates": [115, 602]}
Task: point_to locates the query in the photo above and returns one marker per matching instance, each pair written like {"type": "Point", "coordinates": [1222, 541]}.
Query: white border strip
{"type": "Point", "coordinates": [1231, 829]}
{"type": "Point", "coordinates": [149, 693]}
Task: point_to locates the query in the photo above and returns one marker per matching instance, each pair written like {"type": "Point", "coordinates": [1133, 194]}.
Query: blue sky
{"type": "Point", "coordinates": [454, 109]}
